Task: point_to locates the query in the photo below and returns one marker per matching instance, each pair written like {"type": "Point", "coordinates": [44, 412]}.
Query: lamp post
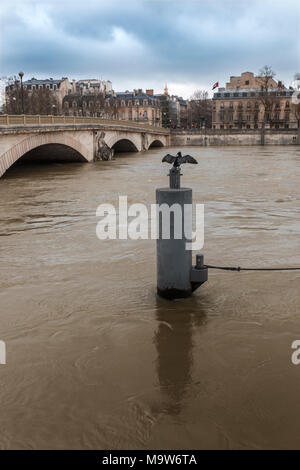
{"type": "Point", "coordinates": [14, 104]}
{"type": "Point", "coordinates": [21, 75]}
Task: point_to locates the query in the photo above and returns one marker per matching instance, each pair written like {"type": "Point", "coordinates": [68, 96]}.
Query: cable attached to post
{"type": "Point", "coordinates": [228, 268]}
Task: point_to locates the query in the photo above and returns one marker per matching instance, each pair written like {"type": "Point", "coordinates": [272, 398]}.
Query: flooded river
{"type": "Point", "coordinates": [96, 360]}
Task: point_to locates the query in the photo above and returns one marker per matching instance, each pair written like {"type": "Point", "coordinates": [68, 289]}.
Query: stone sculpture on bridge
{"type": "Point", "coordinates": [103, 151]}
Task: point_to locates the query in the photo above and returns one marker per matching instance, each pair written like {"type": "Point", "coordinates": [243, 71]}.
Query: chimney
{"type": "Point", "coordinates": [140, 91]}
{"type": "Point", "coordinates": [150, 92]}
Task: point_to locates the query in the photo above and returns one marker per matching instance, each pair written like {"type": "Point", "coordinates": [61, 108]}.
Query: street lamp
{"type": "Point", "coordinates": [21, 75]}
{"type": "Point", "coordinates": [14, 104]}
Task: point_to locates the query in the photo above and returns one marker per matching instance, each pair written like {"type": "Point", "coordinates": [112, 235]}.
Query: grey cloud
{"type": "Point", "coordinates": [176, 41]}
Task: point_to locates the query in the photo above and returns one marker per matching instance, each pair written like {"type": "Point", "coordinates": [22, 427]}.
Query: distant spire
{"type": "Point", "coordinates": [166, 91]}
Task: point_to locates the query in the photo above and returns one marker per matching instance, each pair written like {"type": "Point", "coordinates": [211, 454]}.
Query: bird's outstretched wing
{"type": "Point", "coordinates": [169, 158]}
{"type": "Point", "coordinates": [187, 159]}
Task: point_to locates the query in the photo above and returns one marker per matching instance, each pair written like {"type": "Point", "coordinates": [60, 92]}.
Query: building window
{"type": "Point", "coordinates": [247, 82]}
{"type": "Point", "coordinates": [123, 115]}
{"type": "Point", "coordinates": [130, 115]}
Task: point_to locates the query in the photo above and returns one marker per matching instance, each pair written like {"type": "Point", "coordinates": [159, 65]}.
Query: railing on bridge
{"type": "Point", "coordinates": [28, 120]}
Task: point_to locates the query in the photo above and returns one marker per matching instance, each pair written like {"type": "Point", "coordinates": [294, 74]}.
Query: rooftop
{"type": "Point", "coordinates": [249, 92]}
{"type": "Point", "coordinates": [35, 81]}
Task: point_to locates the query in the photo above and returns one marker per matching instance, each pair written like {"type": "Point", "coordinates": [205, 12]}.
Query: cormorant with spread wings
{"type": "Point", "coordinates": [179, 159]}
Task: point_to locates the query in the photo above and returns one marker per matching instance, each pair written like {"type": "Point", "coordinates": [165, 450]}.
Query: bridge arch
{"type": "Point", "coordinates": [124, 145]}
{"type": "Point", "coordinates": [74, 149]}
{"type": "Point", "coordinates": [155, 142]}
{"type": "Point", "coordinates": [124, 142]}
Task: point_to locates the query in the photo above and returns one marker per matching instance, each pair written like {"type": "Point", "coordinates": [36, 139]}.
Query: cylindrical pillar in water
{"type": "Point", "coordinates": [174, 260]}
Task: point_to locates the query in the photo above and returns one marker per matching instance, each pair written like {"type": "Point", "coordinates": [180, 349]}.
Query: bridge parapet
{"type": "Point", "coordinates": [23, 120]}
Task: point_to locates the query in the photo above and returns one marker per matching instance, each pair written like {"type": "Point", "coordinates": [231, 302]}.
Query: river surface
{"type": "Point", "coordinates": [96, 360]}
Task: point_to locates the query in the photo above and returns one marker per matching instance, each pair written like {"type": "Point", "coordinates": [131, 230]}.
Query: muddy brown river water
{"type": "Point", "coordinates": [96, 360]}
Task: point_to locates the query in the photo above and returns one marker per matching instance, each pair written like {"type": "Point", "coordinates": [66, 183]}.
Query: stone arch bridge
{"type": "Point", "coordinates": [62, 138]}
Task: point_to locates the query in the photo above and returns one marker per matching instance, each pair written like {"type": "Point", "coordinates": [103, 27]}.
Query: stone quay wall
{"type": "Point", "coordinates": [216, 137]}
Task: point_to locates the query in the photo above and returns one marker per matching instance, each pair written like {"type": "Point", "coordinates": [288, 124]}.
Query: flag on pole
{"type": "Point", "coordinates": [215, 85]}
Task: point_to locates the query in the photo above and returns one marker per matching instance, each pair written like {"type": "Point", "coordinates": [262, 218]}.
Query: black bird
{"type": "Point", "coordinates": [179, 159]}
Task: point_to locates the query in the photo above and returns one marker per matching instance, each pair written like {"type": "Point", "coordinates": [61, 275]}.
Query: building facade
{"type": "Point", "coordinates": [247, 81]}
{"type": "Point", "coordinates": [58, 88]}
{"type": "Point", "coordinates": [125, 106]}
{"type": "Point", "coordinates": [173, 109]}
{"type": "Point", "coordinates": [93, 86]}
{"type": "Point", "coordinates": [245, 105]}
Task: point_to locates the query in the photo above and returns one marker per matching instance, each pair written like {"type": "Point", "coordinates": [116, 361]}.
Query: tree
{"type": "Point", "coordinates": [296, 111]}
{"type": "Point", "coordinates": [13, 98]}
{"type": "Point", "coordinates": [267, 97]}
{"type": "Point", "coordinates": [41, 101]}
{"type": "Point", "coordinates": [296, 103]}
{"type": "Point", "coordinates": [200, 109]}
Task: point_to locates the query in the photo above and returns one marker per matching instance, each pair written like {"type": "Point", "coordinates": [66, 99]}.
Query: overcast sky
{"type": "Point", "coordinates": [190, 44]}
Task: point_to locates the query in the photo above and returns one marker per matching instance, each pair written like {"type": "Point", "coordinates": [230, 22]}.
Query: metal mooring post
{"type": "Point", "coordinates": [176, 277]}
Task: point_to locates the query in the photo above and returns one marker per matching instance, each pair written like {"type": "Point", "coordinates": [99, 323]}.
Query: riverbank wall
{"type": "Point", "coordinates": [221, 138]}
